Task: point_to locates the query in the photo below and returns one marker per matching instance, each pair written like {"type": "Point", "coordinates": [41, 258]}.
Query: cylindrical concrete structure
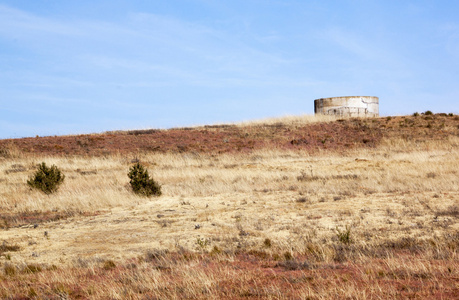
{"type": "Point", "coordinates": [350, 106]}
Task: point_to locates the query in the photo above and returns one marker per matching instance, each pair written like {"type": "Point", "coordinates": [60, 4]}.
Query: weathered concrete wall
{"type": "Point", "coordinates": [351, 106]}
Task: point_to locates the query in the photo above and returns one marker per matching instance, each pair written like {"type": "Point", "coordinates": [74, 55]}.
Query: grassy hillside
{"type": "Point", "coordinates": [304, 208]}
{"type": "Point", "coordinates": [301, 133]}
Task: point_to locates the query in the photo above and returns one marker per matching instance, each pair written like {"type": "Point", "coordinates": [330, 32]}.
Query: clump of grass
{"type": "Point", "coordinates": [431, 175]}
{"type": "Point", "coordinates": [141, 182]}
{"type": "Point", "coordinates": [109, 265]}
{"type": "Point", "coordinates": [302, 200]}
{"type": "Point", "coordinates": [408, 243]}
{"type": "Point", "coordinates": [452, 211]}
{"type": "Point", "coordinates": [32, 268]}
{"type": "Point", "coordinates": [32, 293]}
{"type": "Point", "coordinates": [6, 248]}
{"type": "Point", "coordinates": [293, 265]}
{"type": "Point", "coordinates": [267, 243]}
{"type": "Point", "coordinates": [47, 179]}
{"type": "Point", "coordinates": [9, 270]}
{"type": "Point", "coordinates": [155, 255]}
{"type": "Point", "coordinates": [344, 236]}
{"type": "Point", "coordinates": [288, 255]}
{"type": "Point", "coordinates": [202, 242]}
{"type": "Point", "coordinates": [215, 251]}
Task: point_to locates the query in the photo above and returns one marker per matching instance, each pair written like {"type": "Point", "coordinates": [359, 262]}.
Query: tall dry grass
{"type": "Point", "coordinates": [290, 120]}
{"type": "Point", "coordinates": [272, 224]}
{"type": "Point", "coordinates": [98, 183]}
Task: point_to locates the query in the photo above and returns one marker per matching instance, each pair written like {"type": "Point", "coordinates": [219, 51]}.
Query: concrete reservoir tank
{"type": "Point", "coordinates": [350, 106]}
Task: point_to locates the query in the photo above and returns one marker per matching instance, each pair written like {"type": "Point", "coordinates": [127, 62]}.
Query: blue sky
{"type": "Point", "coordinates": [70, 67]}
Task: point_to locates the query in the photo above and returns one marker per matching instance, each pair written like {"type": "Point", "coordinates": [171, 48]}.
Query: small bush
{"type": "Point", "coordinates": [344, 236]}
{"type": "Point", "coordinates": [302, 200]}
{"type": "Point", "coordinates": [141, 182]}
{"type": "Point", "coordinates": [46, 179]}
{"type": "Point", "coordinates": [202, 242]}
{"type": "Point", "coordinates": [428, 113]}
{"type": "Point", "coordinates": [267, 243]}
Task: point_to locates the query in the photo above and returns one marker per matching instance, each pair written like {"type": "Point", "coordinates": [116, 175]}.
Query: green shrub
{"type": "Point", "coordinates": [428, 113]}
{"type": "Point", "coordinates": [344, 236]}
{"type": "Point", "coordinates": [141, 182]}
{"type": "Point", "coordinates": [46, 179]}
{"type": "Point", "coordinates": [202, 242]}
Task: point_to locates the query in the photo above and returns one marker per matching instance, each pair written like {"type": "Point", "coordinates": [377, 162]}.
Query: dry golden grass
{"type": "Point", "coordinates": [398, 203]}
{"type": "Point", "coordinates": [291, 120]}
{"type": "Point", "coordinates": [288, 120]}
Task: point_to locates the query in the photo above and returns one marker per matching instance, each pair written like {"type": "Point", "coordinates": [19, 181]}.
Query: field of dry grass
{"type": "Point", "coordinates": [375, 221]}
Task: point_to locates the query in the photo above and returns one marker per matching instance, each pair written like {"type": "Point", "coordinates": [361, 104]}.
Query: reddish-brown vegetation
{"type": "Point", "coordinates": [341, 134]}
{"type": "Point", "coordinates": [239, 276]}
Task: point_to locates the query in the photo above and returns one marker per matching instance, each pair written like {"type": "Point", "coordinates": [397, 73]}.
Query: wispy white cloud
{"type": "Point", "coordinates": [146, 43]}
{"type": "Point", "coordinates": [272, 54]}
{"type": "Point", "coordinates": [17, 23]}
{"type": "Point", "coordinates": [361, 47]}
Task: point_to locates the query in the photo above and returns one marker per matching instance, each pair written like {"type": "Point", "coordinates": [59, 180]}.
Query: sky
{"type": "Point", "coordinates": [88, 66]}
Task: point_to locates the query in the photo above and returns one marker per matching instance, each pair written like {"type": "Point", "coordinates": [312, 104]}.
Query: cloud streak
{"type": "Point", "coordinates": [206, 60]}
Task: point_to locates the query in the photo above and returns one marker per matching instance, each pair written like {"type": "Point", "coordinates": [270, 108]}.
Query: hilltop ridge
{"type": "Point", "coordinates": [303, 133]}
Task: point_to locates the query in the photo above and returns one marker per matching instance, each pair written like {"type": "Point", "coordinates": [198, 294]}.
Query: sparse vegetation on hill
{"type": "Point", "coordinates": [294, 134]}
{"type": "Point", "coordinates": [302, 214]}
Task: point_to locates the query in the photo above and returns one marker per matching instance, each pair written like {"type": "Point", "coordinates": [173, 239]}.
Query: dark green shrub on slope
{"type": "Point", "coordinates": [47, 179]}
{"type": "Point", "coordinates": [141, 182]}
